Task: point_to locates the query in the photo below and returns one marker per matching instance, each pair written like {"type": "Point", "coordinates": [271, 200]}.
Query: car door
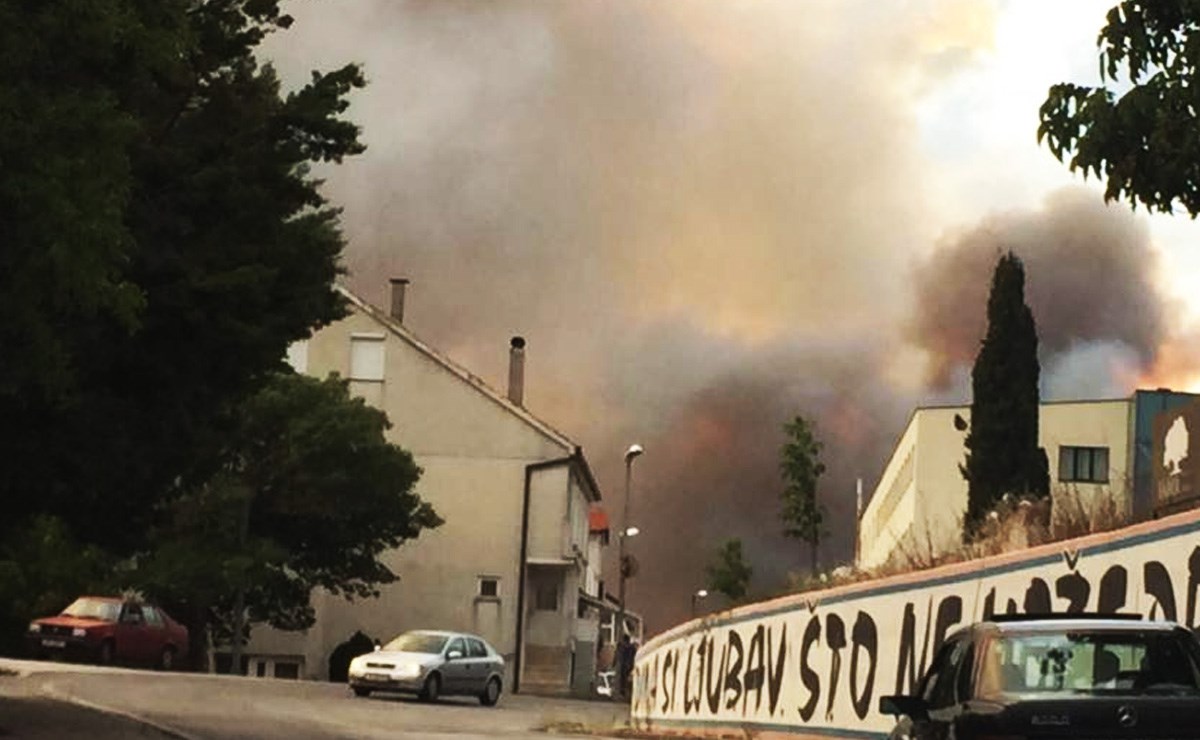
{"type": "Point", "coordinates": [455, 671]}
{"type": "Point", "coordinates": [479, 665]}
{"type": "Point", "coordinates": [131, 639]}
{"type": "Point", "coordinates": [941, 692]}
{"type": "Point", "coordinates": [156, 632]}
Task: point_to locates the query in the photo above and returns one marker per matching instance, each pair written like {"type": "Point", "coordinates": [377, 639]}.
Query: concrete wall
{"type": "Point", "coordinates": [892, 509]}
{"type": "Point", "coordinates": [816, 664]}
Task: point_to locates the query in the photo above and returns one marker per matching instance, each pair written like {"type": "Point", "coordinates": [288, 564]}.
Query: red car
{"type": "Point", "coordinates": [110, 630]}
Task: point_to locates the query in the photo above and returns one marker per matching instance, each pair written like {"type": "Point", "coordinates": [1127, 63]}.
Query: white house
{"type": "Point", "coordinates": [515, 561]}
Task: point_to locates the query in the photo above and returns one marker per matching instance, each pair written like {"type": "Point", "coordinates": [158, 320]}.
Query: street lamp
{"type": "Point", "coordinates": [702, 593]}
{"type": "Point", "coordinates": [626, 532]}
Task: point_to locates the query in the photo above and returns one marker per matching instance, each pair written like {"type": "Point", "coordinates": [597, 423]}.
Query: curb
{"type": "Point", "coordinates": [53, 693]}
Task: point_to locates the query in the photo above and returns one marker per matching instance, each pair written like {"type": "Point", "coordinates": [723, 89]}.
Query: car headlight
{"type": "Point", "coordinates": [409, 670]}
{"type": "Point", "coordinates": [79, 632]}
{"type": "Point", "coordinates": [35, 627]}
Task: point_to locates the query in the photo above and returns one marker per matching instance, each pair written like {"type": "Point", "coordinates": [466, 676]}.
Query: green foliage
{"type": "Point", "coordinates": [43, 568]}
{"type": "Point", "coordinates": [1142, 141]}
{"type": "Point", "coordinates": [800, 465]}
{"type": "Point", "coordinates": [729, 573]}
{"type": "Point", "coordinates": [1002, 446]}
{"type": "Point", "coordinates": [163, 243]}
{"type": "Point", "coordinates": [311, 495]}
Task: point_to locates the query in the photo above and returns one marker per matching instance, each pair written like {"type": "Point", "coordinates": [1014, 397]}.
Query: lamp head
{"type": "Point", "coordinates": [632, 452]}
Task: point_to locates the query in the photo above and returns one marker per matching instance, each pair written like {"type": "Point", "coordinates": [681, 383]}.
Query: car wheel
{"type": "Point", "coordinates": [360, 691]}
{"type": "Point", "coordinates": [107, 650]}
{"type": "Point", "coordinates": [433, 688]}
{"type": "Point", "coordinates": [491, 693]}
{"type": "Point", "coordinates": [166, 661]}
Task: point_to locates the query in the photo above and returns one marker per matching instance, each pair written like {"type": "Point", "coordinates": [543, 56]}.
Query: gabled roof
{"type": "Point", "coordinates": [405, 334]}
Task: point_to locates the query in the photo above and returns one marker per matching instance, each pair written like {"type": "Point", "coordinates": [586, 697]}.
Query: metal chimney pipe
{"type": "Point", "coordinates": [516, 371]}
{"type": "Point", "coordinates": [398, 286]}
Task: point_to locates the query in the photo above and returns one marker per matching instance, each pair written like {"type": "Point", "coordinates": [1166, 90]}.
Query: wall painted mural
{"type": "Point", "coordinates": [816, 664]}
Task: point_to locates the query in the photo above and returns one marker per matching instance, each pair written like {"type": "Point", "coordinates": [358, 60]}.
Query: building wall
{"type": "Point", "coordinates": [920, 502]}
{"type": "Point", "coordinates": [890, 513]}
{"type": "Point", "coordinates": [1104, 424]}
{"type": "Point", "coordinates": [473, 451]}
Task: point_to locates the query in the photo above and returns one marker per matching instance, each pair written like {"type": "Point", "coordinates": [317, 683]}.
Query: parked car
{"type": "Point", "coordinates": [1054, 677]}
{"type": "Point", "coordinates": [107, 630]}
{"type": "Point", "coordinates": [431, 664]}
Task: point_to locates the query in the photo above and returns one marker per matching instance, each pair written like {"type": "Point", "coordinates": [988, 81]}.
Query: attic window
{"type": "Point", "coordinates": [366, 357]}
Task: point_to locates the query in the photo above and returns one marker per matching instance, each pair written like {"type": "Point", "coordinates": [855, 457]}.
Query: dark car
{"type": "Point", "coordinates": [1027, 678]}
{"type": "Point", "coordinates": [430, 664]}
{"type": "Point", "coordinates": [106, 630]}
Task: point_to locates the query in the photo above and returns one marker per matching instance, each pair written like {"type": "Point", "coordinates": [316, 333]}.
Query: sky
{"type": "Point", "coordinates": [707, 218]}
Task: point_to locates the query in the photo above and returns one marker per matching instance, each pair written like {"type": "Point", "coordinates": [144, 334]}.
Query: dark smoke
{"type": "Point", "coordinates": [701, 216]}
{"type": "Point", "coordinates": [1091, 283]}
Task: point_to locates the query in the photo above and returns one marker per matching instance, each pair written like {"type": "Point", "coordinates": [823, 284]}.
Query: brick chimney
{"type": "Point", "coordinates": [516, 371]}
{"type": "Point", "coordinates": [398, 286]}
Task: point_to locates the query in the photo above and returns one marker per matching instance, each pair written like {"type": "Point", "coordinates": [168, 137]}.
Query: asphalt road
{"type": "Point", "coordinates": [61, 700]}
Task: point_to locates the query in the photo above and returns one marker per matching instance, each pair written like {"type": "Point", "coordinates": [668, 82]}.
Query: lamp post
{"type": "Point", "coordinates": [626, 531]}
{"type": "Point", "coordinates": [702, 593]}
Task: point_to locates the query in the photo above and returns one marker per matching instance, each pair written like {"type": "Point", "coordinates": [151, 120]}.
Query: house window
{"type": "Point", "coordinates": [366, 357]}
{"type": "Point", "coordinates": [287, 670]}
{"type": "Point", "coordinates": [1083, 464]}
{"type": "Point", "coordinates": [547, 596]}
{"type": "Point", "coordinates": [489, 587]}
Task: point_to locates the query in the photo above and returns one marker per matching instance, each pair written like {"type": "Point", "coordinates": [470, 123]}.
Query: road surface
{"type": "Point", "coordinates": [127, 703]}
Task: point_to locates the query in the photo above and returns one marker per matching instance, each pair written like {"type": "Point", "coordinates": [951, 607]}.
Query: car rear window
{"type": "Point", "coordinates": [1095, 662]}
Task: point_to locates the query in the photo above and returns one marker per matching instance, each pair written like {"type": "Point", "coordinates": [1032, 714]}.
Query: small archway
{"type": "Point", "coordinates": [339, 659]}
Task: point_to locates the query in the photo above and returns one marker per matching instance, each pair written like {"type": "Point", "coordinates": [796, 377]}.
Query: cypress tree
{"type": "Point", "coordinates": [1002, 446]}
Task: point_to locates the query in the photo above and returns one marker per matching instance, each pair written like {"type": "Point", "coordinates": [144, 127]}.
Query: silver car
{"type": "Point", "coordinates": [431, 664]}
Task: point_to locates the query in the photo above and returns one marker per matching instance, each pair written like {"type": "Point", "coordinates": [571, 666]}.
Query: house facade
{"type": "Point", "coordinates": [516, 560]}
{"type": "Point", "coordinates": [1101, 453]}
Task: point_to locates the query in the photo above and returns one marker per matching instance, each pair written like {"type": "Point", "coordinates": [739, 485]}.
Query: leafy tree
{"type": "Point", "coordinates": [311, 495]}
{"type": "Point", "coordinates": [1002, 445]}
{"type": "Point", "coordinates": [164, 241]}
{"type": "Point", "coordinates": [729, 573]}
{"type": "Point", "coordinates": [42, 570]}
{"type": "Point", "coordinates": [1137, 130]}
{"type": "Point", "coordinates": [803, 515]}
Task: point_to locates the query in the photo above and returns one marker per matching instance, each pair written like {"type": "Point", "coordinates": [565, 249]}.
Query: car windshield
{"type": "Point", "coordinates": [417, 642]}
{"type": "Point", "coordinates": [93, 609]}
{"type": "Point", "coordinates": [1097, 662]}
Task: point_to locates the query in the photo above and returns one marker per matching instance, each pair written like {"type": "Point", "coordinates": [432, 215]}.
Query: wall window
{"type": "Point", "coordinates": [1083, 464]}
{"type": "Point", "coordinates": [489, 587]}
{"type": "Point", "coordinates": [547, 596]}
{"type": "Point", "coordinates": [366, 357]}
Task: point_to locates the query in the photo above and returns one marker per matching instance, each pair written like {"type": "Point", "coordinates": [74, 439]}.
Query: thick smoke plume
{"type": "Point", "coordinates": [703, 218]}
{"type": "Point", "coordinates": [1092, 284]}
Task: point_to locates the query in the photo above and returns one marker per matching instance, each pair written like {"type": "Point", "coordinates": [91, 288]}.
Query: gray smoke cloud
{"type": "Point", "coordinates": [1091, 282]}
{"type": "Point", "coordinates": [702, 216]}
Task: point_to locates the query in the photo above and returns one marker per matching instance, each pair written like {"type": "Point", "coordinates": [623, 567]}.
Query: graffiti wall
{"type": "Point", "coordinates": [816, 664]}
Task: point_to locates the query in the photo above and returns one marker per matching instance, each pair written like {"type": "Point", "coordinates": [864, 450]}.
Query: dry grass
{"type": "Point", "coordinates": [1016, 524]}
